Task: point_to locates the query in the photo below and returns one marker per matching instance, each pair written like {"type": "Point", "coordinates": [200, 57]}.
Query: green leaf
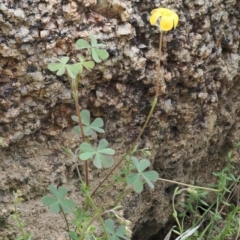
{"type": "Point", "coordinates": [144, 163]}
{"type": "Point", "coordinates": [54, 66]}
{"type": "Point", "coordinates": [48, 201]}
{"type": "Point", "coordinates": [67, 205]}
{"type": "Point", "coordinates": [73, 235]}
{"type": "Point", "coordinates": [73, 69]}
{"type": "Point", "coordinates": [88, 65]}
{"type": "Point", "coordinates": [93, 40]}
{"type": "Point", "coordinates": [53, 190]}
{"type": "Point", "coordinates": [99, 55]}
{"type": "Point", "coordinates": [64, 60]}
{"type": "Point", "coordinates": [102, 144]}
{"type": "Point", "coordinates": [151, 175]}
{"type": "Point", "coordinates": [76, 129]}
{"type": "Point", "coordinates": [97, 123]}
{"type": "Point", "coordinates": [101, 156]}
{"type": "Point", "coordinates": [99, 45]}
{"type": "Point", "coordinates": [74, 118]}
{"type": "Point", "coordinates": [85, 116]}
{"type": "Point", "coordinates": [87, 131]}
{"type": "Point", "coordinates": [19, 238]}
{"type": "Point", "coordinates": [102, 53]}
{"type": "Point", "coordinates": [86, 156]}
{"type": "Point", "coordinates": [136, 180]}
{"type": "Point", "coordinates": [29, 237]}
{"type": "Point", "coordinates": [87, 147]}
{"type": "Point", "coordinates": [54, 208]}
{"type": "Point", "coordinates": [115, 234]}
{"type": "Point", "coordinates": [81, 44]}
{"type": "Point", "coordinates": [62, 192]}
{"type": "Point", "coordinates": [95, 56]}
{"type": "Point", "coordinates": [108, 151]}
{"type": "Point", "coordinates": [61, 71]}
{"type": "Point", "coordinates": [103, 160]}
{"type": "Point", "coordinates": [88, 151]}
{"type": "Point", "coordinates": [81, 217]}
{"type": "Point", "coordinates": [81, 58]}
{"type": "Point", "coordinates": [58, 203]}
{"type": "Point", "coordinates": [88, 128]}
{"type": "Point", "coordinates": [59, 67]}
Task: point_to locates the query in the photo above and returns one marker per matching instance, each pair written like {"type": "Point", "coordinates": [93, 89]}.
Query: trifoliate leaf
{"type": "Point", "coordinates": [136, 180]}
{"type": "Point", "coordinates": [88, 128]}
{"type": "Point", "coordinates": [58, 203]}
{"type": "Point", "coordinates": [72, 69]}
{"type": "Point", "coordinates": [102, 156]}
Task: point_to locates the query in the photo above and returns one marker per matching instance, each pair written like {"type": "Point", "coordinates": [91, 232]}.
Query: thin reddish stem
{"type": "Point", "coordinates": [77, 106]}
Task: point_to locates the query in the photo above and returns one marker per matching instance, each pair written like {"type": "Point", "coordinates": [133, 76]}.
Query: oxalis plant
{"type": "Point", "coordinates": [96, 221]}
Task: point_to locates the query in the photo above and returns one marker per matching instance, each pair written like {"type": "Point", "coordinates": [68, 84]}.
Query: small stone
{"type": "Point", "coordinates": [125, 29]}
{"type": "Point", "coordinates": [99, 94]}
{"type": "Point", "coordinates": [168, 106]}
{"type": "Point", "coordinates": [44, 33]}
{"type": "Point", "coordinates": [203, 95]}
{"type": "Point", "coordinates": [19, 13]}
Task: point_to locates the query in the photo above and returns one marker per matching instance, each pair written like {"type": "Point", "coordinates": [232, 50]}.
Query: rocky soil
{"type": "Point", "coordinates": [195, 123]}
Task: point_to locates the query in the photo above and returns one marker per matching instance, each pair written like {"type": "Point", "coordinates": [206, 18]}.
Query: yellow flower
{"type": "Point", "coordinates": [169, 18]}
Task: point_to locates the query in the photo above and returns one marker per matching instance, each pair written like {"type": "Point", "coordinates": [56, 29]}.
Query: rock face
{"type": "Point", "coordinates": [196, 118]}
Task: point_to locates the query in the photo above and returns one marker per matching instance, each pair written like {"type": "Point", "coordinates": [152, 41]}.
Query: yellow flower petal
{"type": "Point", "coordinates": [153, 19]}
{"type": "Point", "coordinates": [166, 23]}
{"type": "Point", "coordinates": [175, 20]}
{"type": "Point", "coordinates": [169, 18]}
{"type": "Point", "coordinates": [156, 10]}
{"type": "Point", "coordinates": [162, 11]}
